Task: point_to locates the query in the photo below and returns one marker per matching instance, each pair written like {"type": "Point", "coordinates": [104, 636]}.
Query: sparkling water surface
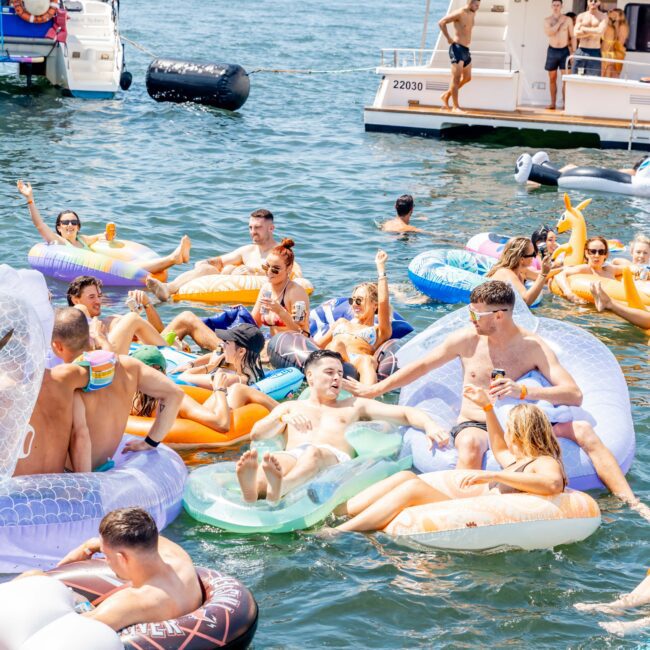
{"type": "Point", "coordinates": [298, 148]}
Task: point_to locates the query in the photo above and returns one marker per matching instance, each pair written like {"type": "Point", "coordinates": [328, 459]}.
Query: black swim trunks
{"type": "Point", "coordinates": [459, 54]}
{"type": "Point", "coordinates": [556, 58]}
{"type": "Point", "coordinates": [466, 425]}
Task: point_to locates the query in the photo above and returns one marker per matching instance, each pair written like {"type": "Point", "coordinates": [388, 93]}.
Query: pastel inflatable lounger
{"type": "Point", "coordinates": [474, 519]}
{"type": "Point", "coordinates": [39, 612]}
{"type": "Point", "coordinates": [212, 494]}
{"type": "Point", "coordinates": [606, 402]}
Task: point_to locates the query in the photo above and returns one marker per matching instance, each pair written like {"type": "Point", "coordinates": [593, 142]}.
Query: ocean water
{"type": "Point", "coordinates": [298, 148]}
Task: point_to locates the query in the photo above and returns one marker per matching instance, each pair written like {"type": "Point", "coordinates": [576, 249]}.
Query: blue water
{"type": "Point", "coordinates": [298, 148]}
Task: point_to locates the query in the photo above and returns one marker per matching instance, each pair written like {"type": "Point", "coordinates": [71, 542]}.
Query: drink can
{"type": "Point", "coordinates": [266, 294]}
{"type": "Point", "coordinates": [299, 311]}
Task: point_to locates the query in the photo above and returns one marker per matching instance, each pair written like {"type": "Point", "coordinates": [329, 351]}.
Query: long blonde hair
{"type": "Point", "coordinates": [512, 255]}
{"type": "Point", "coordinates": [532, 431]}
{"type": "Point", "coordinates": [620, 14]}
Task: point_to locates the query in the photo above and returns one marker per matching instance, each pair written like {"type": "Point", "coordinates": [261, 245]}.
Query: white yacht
{"type": "Point", "coordinates": [75, 44]}
{"type": "Point", "coordinates": [509, 87]}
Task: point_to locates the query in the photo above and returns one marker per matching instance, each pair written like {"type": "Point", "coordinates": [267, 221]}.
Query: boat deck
{"type": "Point", "coordinates": [528, 114]}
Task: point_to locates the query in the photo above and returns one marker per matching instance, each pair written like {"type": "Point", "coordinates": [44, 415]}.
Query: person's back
{"type": "Point", "coordinates": [52, 424]}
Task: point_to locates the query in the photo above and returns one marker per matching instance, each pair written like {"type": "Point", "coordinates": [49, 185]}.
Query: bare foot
{"type": "Point", "coordinates": [601, 299]}
{"type": "Point", "coordinates": [457, 109]}
{"type": "Point", "coordinates": [597, 607]}
{"type": "Point", "coordinates": [186, 245]}
{"type": "Point", "coordinates": [158, 288]}
{"type": "Point", "coordinates": [615, 627]}
{"type": "Point", "coordinates": [642, 509]}
{"type": "Point", "coordinates": [550, 107]}
{"type": "Point", "coordinates": [246, 471]}
{"type": "Point", "coordinates": [273, 472]}
{"type": "Point", "coordinates": [444, 98]}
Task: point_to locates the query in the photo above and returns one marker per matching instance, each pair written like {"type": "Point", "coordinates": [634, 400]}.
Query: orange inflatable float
{"type": "Point", "coordinates": [476, 519]}
{"type": "Point", "coordinates": [187, 434]}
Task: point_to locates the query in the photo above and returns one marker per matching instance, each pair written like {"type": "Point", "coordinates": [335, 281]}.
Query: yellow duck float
{"type": "Point", "coordinates": [627, 290]}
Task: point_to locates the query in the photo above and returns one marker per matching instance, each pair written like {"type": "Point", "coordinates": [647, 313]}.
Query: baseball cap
{"type": "Point", "coordinates": [150, 355]}
{"type": "Point", "coordinates": [245, 335]}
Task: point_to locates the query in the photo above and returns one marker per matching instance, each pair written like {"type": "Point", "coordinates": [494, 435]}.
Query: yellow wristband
{"type": "Point", "coordinates": [524, 392]}
{"type": "Point", "coordinates": [488, 407]}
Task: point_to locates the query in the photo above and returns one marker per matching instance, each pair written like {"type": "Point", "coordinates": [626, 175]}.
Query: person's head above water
{"type": "Point", "coordinates": [243, 345]}
{"type": "Point", "coordinates": [151, 356]}
{"type": "Point", "coordinates": [490, 306]}
{"type": "Point", "coordinates": [640, 250]}
{"type": "Point", "coordinates": [324, 372]}
{"type": "Point", "coordinates": [279, 263]}
{"type": "Point", "coordinates": [596, 250]}
{"type": "Point", "coordinates": [70, 335]}
{"type": "Point", "coordinates": [128, 536]}
{"type": "Point", "coordinates": [67, 225]}
{"type": "Point", "coordinates": [87, 291]}
{"type": "Point", "coordinates": [517, 254]}
{"type": "Point", "coordinates": [261, 227]}
{"type": "Point", "coordinates": [404, 205]}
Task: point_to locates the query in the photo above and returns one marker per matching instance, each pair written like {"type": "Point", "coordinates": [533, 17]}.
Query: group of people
{"type": "Point", "coordinates": [80, 415]}
{"type": "Point", "coordinates": [589, 37]}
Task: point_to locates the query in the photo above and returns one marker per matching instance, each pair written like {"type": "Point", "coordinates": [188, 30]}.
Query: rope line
{"type": "Point", "coordinates": [137, 46]}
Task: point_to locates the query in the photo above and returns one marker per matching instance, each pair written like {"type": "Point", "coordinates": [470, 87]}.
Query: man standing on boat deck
{"type": "Point", "coordinates": [589, 30]}
{"type": "Point", "coordinates": [459, 54]}
{"type": "Point", "coordinates": [561, 42]}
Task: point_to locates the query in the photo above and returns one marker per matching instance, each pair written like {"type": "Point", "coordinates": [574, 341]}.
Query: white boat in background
{"type": "Point", "coordinates": [75, 44]}
{"type": "Point", "coordinates": [509, 87]}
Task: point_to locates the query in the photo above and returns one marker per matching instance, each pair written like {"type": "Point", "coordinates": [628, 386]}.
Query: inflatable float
{"type": "Point", "coordinates": [226, 619]}
{"type": "Point", "coordinates": [539, 169]}
{"type": "Point", "coordinates": [187, 434]}
{"type": "Point", "coordinates": [45, 515]}
{"type": "Point", "coordinates": [219, 289]}
{"type": "Point", "coordinates": [449, 275]}
{"type": "Point", "coordinates": [114, 262]}
{"type": "Point", "coordinates": [606, 403]}
{"type": "Point", "coordinates": [475, 520]}
{"type": "Point", "coordinates": [277, 384]}
{"type": "Point", "coordinates": [212, 493]}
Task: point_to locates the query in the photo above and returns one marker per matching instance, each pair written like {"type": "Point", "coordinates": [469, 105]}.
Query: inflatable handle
{"type": "Point", "coordinates": [30, 435]}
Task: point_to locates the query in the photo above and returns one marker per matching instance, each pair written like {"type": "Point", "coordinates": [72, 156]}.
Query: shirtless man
{"type": "Point", "coordinates": [107, 410]}
{"type": "Point", "coordinates": [315, 430]}
{"type": "Point", "coordinates": [59, 416]}
{"type": "Point", "coordinates": [401, 222]}
{"type": "Point", "coordinates": [161, 578]}
{"type": "Point", "coordinates": [589, 30]}
{"type": "Point", "coordinates": [496, 341]}
{"type": "Point", "coordinates": [459, 54]}
{"type": "Point", "coordinates": [246, 260]}
{"type": "Point", "coordinates": [114, 333]}
{"type": "Point", "coordinates": [561, 43]}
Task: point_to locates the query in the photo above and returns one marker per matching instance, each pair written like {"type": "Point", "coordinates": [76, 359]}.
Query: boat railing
{"type": "Point", "coordinates": [408, 57]}
{"type": "Point", "coordinates": [627, 72]}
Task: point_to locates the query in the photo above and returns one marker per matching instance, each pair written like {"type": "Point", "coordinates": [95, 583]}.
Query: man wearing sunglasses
{"type": "Point", "coordinates": [494, 340]}
{"type": "Point", "coordinates": [245, 260]}
{"type": "Point", "coordinates": [590, 29]}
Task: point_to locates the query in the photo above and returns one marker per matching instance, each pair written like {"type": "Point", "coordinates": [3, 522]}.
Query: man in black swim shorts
{"type": "Point", "coordinates": [561, 42]}
{"type": "Point", "coordinates": [589, 30]}
{"type": "Point", "coordinates": [459, 54]}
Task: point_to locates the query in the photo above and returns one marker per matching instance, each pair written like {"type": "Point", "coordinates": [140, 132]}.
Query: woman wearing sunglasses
{"type": "Point", "coordinates": [279, 296]}
{"type": "Point", "coordinates": [513, 267]}
{"type": "Point", "coordinates": [357, 340]}
{"type": "Point", "coordinates": [66, 233]}
{"type": "Point", "coordinates": [596, 252]}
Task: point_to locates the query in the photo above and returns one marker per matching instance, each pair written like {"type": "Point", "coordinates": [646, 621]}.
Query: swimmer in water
{"type": "Point", "coordinates": [400, 223]}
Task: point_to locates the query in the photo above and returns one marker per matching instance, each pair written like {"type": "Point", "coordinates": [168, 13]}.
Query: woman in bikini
{"type": "Point", "coordinates": [215, 412]}
{"type": "Point", "coordinates": [528, 451]}
{"type": "Point", "coordinates": [613, 45]}
{"type": "Point", "coordinates": [66, 233]}
{"type": "Point", "coordinates": [596, 252]}
{"type": "Point", "coordinates": [513, 267]}
{"type": "Point", "coordinates": [357, 340]}
{"type": "Point", "coordinates": [277, 299]}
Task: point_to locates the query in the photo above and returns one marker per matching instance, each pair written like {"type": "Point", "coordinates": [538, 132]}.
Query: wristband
{"type": "Point", "coordinates": [524, 392]}
{"type": "Point", "coordinates": [382, 276]}
{"type": "Point", "coordinates": [488, 407]}
{"type": "Point", "coordinates": [221, 389]}
{"type": "Point", "coordinates": [151, 442]}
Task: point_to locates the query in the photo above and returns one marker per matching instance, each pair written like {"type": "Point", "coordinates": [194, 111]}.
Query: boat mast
{"type": "Point", "coordinates": [425, 26]}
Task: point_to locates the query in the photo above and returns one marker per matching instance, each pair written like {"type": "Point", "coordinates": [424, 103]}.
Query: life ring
{"type": "Point", "coordinates": [473, 519]}
{"type": "Point", "coordinates": [187, 434]}
{"type": "Point", "coordinates": [41, 612]}
{"type": "Point", "coordinates": [21, 12]}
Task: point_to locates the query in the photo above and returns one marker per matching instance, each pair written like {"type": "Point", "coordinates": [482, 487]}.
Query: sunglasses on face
{"type": "Point", "coordinates": [355, 301]}
{"type": "Point", "coordinates": [69, 222]}
{"type": "Point", "coordinates": [274, 269]}
{"type": "Point", "coordinates": [475, 316]}
{"type": "Point", "coordinates": [596, 251]}
{"type": "Point", "coordinates": [529, 255]}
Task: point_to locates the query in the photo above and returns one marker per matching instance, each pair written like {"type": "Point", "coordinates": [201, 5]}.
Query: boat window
{"type": "Point", "coordinates": [638, 18]}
